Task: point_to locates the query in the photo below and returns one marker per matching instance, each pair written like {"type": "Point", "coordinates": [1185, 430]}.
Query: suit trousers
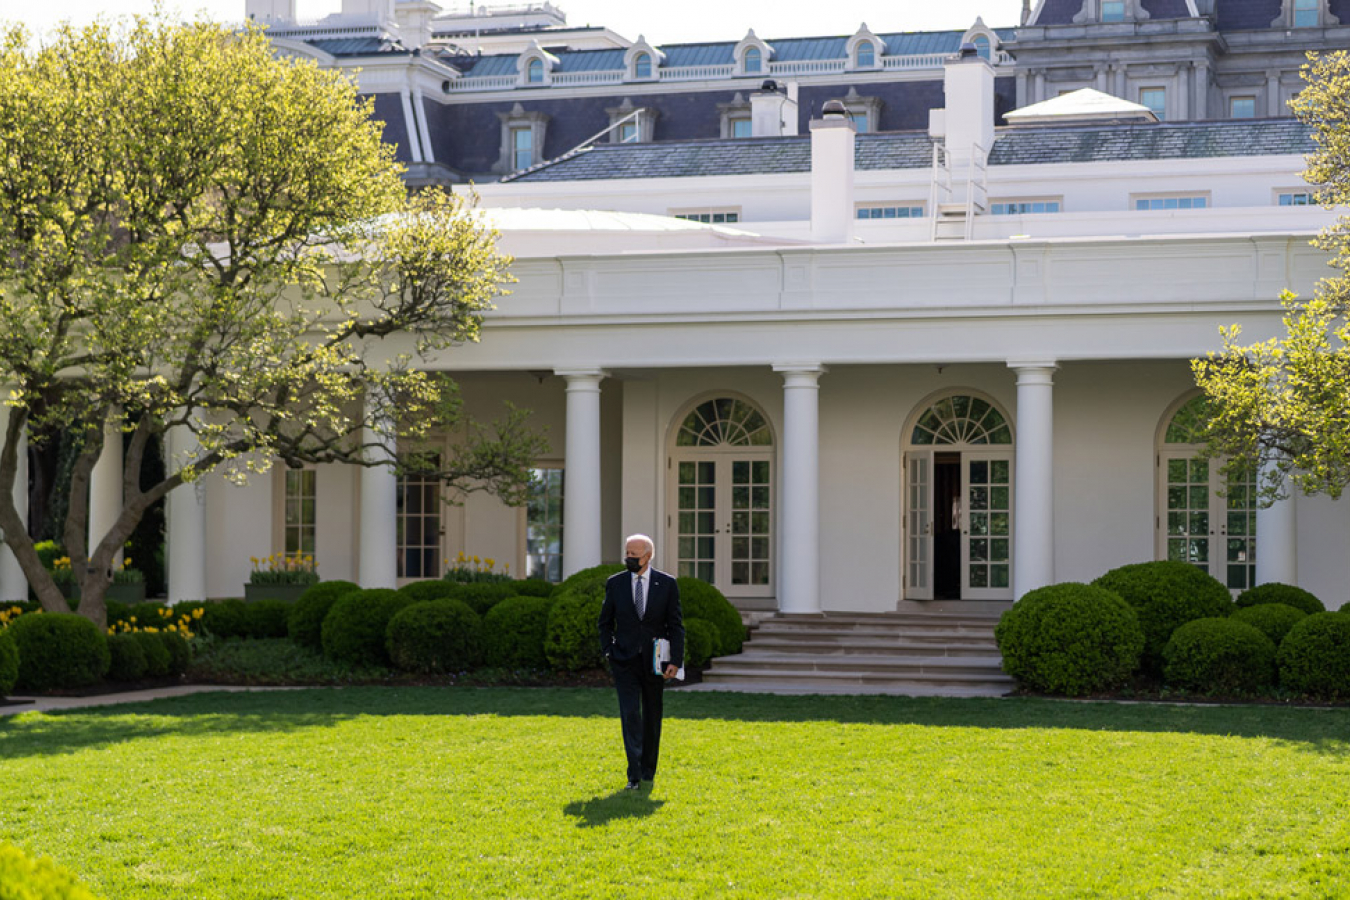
{"type": "Point", "coordinates": [640, 694]}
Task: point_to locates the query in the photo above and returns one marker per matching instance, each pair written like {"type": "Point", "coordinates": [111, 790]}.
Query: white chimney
{"type": "Point", "coordinates": [270, 12]}
{"type": "Point", "coordinates": [773, 110]}
{"type": "Point", "coordinates": [832, 139]}
{"type": "Point", "coordinates": [414, 21]}
{"type": "Point", "coordinates": [968, 82]}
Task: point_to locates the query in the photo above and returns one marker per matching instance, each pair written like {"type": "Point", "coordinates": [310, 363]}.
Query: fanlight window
{"type": "Point", "coordinates": [752, 61]}
{"type": "Point", "coordinates": [642, 66]}
{"type": "Point", "coordinates": [725, 422]}
{"type": "Point", "coordinates": [535, 71]}
{"type": "Point", "coordinates": [962, 420]}
{"type": "Point", "coordinates": [867, 55]}
{"type": "Point", "coordinates": [982, 47]}
{"type": "Point", "coordinates": [1189, 424]}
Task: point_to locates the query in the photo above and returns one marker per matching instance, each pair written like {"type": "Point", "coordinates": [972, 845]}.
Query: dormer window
{"type": "Point", "coordinates": [642, 66]}
{"type": "Point", "coordinates": [867, 55]}
{"type": "Point", "coordinates": [753, 61]}
{"type": "Point", "coordinates": [1305, 14]}
{"type": "Point", "coordinates": [983, 38]}
{"type": "Point", "coordinates": [982, 47]}
{"type": "Point", "coordinates": [642, 61]}
{"type": "Point", "coordinates": [534, 72]}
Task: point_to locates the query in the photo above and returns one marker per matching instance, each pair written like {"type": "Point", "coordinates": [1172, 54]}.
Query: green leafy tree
{"type": "Point", "coordinates": [200, 237]}
{"type": "Point", "coordinates": [1284, 404]}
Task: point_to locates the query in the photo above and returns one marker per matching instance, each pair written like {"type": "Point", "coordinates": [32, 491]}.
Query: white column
{"type": "Point", "coordinates": [799, 511]}
{"type": "Point", "coordinates": [1277, 540]}
{"type": "Point", "coordinates": [377, 558]}
{"type": "Point", "coordinates": [185, 509]}
{"type": "Point", "coordinates": [581, 478]}
{"type": "Point", "coordinates": [105, 489]}
{"type": "Point", "coordinates": [13, 586]}
{"type": "Point", "coordinates": [1034, 479]}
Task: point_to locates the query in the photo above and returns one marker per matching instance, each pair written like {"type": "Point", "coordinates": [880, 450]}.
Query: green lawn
{"type": "Point", "coordinates": [429, 793]}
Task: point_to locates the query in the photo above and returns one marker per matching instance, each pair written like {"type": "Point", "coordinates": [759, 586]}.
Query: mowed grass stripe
{"type": "Point", "coordinates": [429, 793]}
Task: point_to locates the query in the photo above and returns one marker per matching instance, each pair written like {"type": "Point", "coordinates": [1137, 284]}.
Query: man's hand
{"type": "Point", "coordinates": [671, 671]}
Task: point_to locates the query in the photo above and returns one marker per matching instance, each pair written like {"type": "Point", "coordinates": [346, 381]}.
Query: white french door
{"type": "Point", "coordinates": [1198, 526]}
{"type": "Point", "coordinates": [723, 521]}
{"type": "Point", "coordinates": [980, 504]}
{"type": "Point", "coordinates": [986, 525]}
{"type": "Point", "coordinates": [919, 526]}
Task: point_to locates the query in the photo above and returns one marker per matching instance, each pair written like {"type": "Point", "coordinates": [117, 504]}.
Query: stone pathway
{"type": "Point", "coordinates": [47, 704]}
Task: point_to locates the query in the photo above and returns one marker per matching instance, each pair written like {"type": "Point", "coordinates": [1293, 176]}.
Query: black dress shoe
{"type": "Point", "coordinates": [632, 786]}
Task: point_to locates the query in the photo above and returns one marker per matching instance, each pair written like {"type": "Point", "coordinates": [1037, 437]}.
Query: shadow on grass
{"type": "Point", "coordinates": [1321, 731]}
{"type": "Point", "coordinates": [621, 804]}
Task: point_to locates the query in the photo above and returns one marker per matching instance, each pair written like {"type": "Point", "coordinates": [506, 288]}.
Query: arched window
{"type": "Point", "coordinates": [642, 66]}
{"type": "Point", "coordinates": [961, 420]}
{"type": "Point", "coordinates": [1206, 520]}
{"type": "Point", "coordinates": [724, 422]}
{"type": "Point", "coordinates": [722, 492]}
{"type": "Point", "coordinates": [753, 61]}
{"type": "Point", "coordinates": [866, 56]}
{"type": "Point", "coordinates": [982, 47]}
{"type": "Point", "coordinates": [534, 72]}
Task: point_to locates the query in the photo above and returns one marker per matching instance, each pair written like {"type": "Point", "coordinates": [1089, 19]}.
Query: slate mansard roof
{"type": "Point", "coordinates": [721, 53]}
{"type": "Point", "coordinates": [914, 150]}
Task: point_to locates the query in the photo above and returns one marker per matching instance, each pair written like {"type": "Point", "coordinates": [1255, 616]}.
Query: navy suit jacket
{"type": "Point", "coordinates": [623, 637]}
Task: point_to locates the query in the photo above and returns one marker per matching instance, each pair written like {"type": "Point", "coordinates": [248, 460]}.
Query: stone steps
{"type": "Point", "coordinates": [920, 654]}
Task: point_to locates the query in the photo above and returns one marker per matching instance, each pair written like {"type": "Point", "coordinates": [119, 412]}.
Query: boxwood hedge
{"type": "Point", "coordinates": [436, 636]}
{"type": "Point", "coordinates": [513, 633]}
{"type": "Point", "coordinates": [1166, 595]}
{"type": "Point", "coordinates": [355, 628]}
{"type": "Point", "coordinates": [1272, 619]}
{"type": "Point", "coordinates": [59, 650]}
{"type": "Point", "coordinates": [1219, 656]}
{"type": "Point", "coordinates": [1276, 592]}
{"type": "Point", "coordinates": [1070, 639]}
{"type": "Point", "coordinates": [305, 622]}
{"type": "Point", "coordinates": [1314, 657]}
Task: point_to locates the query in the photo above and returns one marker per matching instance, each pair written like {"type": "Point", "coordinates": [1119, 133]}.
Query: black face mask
{"type": "Point", "coordinates": [634, 563]}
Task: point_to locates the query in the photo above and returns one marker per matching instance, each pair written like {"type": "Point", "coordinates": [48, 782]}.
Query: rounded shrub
{"type": "Point", "coordinates": [1070, 639]}
{"type": "Point", "coordinates": [1314, 657]}
{"type": "Point", "coordinates": [24, 878]}
{"type": "Point", "coordinates": [180, 652]}
{"type": "Point", "coordinates": [1275, 592]}
{"type": "Point", "coordinates": [422, 591]}
{"type": "Point", "coordinates": [354, 629]}
{"type": "Point", "coordinates": [126, 658]}
{"type": "Point", "coordinates": [435, 636]}
{"type": "Point", "coordinates": [700, 600]}
{"type": "Point", "coordinates": [226, 618]}
{"type": "Point", "coordinates": [1219, 656]}
{"type": "Point", "coordinates": [307, 615]}
{"type": "Point", "coordinates": [1272, 619]}
{"type": "Point", "coordinates": [572, 641]}
{"type": "Point", "coordinates": [59, 650]}
{"type": "Point", "coordinates": [9, 663]}
{"type": "Point", "coordinates": [158, 660]}
{"type": "Point", "coordinates": [513, 633]}
{"type": "Point", "coordinates": [481, 596]}
{"type": "Point", "coordinates": [1166, 595]}
{"type": "Point", "coordinates": [268, 618]}
{"type": "Point", "coordinates": [532, 587]}
{"type": "Point", "coordinates": [700, 636]}
{"type": "Point", "coordinates": [305, 623]}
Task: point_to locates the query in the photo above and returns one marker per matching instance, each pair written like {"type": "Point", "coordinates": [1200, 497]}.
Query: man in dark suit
{"type": "Point", "coordinates": [641, 604]}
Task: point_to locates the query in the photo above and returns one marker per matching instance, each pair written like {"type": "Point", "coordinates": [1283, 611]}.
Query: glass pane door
{"type": "Point", "coordinates": [1239, 528]}
{"type": "Point", "coordinates": [919, 527]}
{"type": "Point", "coordinates": [1187, 518]}
{"type": "Point", "coordinates": [751, 513]}
{"type": "Point", "coordinates": [986, 533]}
{"type": "Point", "coordinates": [419, 525]}
{"type": "Point", "coordinates": [696, 519]}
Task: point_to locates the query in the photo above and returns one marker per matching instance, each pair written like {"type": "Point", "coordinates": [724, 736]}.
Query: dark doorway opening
{"type": "Point", "coordinates": [947, 526]}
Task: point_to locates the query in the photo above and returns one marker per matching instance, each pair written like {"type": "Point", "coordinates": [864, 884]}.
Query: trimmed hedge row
{"type": "Point", "coordinates": [59, 650]}
{"type": "Point", "coordinates": [1166, 595]}
{"type": "Point", "coordinates": [9, 663]}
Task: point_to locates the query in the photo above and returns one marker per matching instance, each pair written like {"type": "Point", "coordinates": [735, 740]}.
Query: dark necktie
{"type": "Point", "coordinates": [639, 600]}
